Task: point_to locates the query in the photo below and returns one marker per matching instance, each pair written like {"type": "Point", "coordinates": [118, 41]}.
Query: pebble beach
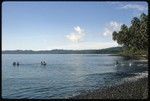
{"type": "Point", "coordinates": [129, 90]}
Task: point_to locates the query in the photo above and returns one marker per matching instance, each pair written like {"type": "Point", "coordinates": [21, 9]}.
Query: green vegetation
{"type": "Point", "coordinates": [134, 39]}
{"type": "Point", "coordinates": [112, 50]}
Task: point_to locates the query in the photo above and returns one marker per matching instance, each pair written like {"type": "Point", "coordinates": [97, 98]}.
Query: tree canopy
{"type": "Point", "coordinates": [134, 38]}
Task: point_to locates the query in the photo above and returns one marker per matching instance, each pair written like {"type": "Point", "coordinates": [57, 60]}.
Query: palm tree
{"type": "Point", "coordinates": [115, 35]}
{"type": "Point", "coordinates": [134, 38]}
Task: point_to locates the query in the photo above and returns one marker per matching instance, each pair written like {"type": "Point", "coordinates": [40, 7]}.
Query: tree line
{"type": "Point", "coordinates": [112, 50]}
{"type": "Point", "coordinates": [134, 39]}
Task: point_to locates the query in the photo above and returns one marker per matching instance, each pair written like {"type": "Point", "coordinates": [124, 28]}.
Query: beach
{"type": "Point", "coordinates": [136, 89]}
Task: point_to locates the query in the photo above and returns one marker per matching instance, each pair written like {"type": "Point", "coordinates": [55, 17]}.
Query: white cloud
{"type": "Point", "coordinates": [79, 30]}
{"type": "Point", "coordinates": [77, 35]}
{"type": "Point", "coordinates": [111, 27]}
{"type": "Point", "coordinates": [134, 7]}
{"type": "Point", "coordinates": [138, 6]}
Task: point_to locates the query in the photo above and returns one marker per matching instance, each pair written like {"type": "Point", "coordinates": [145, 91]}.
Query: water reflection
{"type": "Point", "coordinates": [64, 75]}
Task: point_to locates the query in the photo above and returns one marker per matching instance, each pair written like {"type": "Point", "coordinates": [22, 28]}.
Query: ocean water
{"type": "Point", "coordinates": [65, 75]}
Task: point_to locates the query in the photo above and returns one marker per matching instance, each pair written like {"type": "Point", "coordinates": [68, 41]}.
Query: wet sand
{"type": "Point", "coordinates": [129, 90]}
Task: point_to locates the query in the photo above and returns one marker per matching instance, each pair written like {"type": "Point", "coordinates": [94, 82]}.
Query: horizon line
{"type": "Point", "coordinates": [53, 49]}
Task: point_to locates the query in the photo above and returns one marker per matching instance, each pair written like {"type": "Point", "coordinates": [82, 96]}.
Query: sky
{"type": "Point", "coordinates": [65, 25]}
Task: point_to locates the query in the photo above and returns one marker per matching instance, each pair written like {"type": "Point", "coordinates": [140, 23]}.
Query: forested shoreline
{"type": "Point", "coordinates": [112, 50]}
{"type": "Point", "coordinates": [134, 38]}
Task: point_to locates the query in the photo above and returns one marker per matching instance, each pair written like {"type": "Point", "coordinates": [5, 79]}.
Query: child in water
{"type": "Point", "coordinates": [17, 63]}
{"type": "Point", "coordinates": [43, 63]}
{"type": "Point", "coordinates": [14, 63]}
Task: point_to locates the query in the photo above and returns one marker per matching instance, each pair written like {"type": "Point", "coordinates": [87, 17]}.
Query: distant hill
{"type": "Point", "coordinates": [112, 50]}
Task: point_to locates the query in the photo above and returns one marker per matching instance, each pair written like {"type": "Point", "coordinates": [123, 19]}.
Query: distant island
{"type": "Point", "coordinates": [112, 50]}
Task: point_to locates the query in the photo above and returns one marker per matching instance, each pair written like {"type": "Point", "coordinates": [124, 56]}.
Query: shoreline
{"type": "Point", "coordinates": [137, 89]}
{"type": "Point", "coordinates": [131, 57]}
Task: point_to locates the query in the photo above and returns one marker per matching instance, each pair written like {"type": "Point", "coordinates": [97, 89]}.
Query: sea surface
{"type": "Point", "coordinates": [65, 75]}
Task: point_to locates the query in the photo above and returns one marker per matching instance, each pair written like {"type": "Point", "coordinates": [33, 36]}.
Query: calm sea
{"type": "Point", "coordinates": [65, 75]}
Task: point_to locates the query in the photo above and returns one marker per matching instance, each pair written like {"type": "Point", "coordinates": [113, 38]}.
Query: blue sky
{"type": "Point", "coordinates": [65, 25]}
